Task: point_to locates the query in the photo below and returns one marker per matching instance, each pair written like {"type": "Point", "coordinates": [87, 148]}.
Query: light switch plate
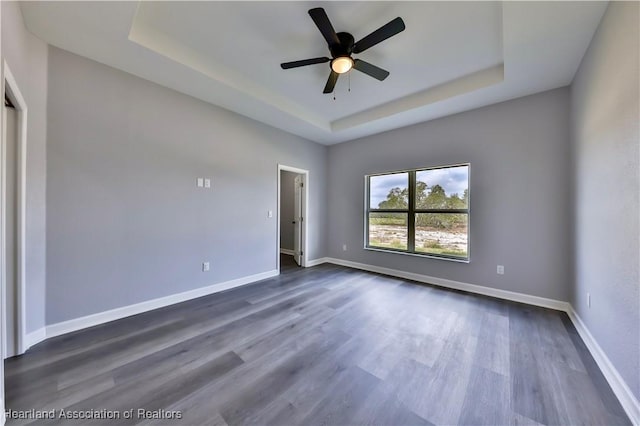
{"type": "Point", "coordinates": [200, 182]}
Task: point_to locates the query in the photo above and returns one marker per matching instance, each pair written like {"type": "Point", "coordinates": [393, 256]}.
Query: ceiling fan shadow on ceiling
{"type": "Point", "coordinates": [342, 45]}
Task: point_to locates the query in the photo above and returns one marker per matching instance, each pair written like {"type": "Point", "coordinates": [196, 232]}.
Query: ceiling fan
{"type": "Point", "coordinates": [343, 45]}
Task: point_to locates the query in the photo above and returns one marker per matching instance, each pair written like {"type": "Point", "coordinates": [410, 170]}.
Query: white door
{"type": "Point", "coordinates": [297, 219]}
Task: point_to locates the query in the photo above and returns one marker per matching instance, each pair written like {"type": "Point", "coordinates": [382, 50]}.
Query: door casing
{"type": "Point", "coordinates": [297, 218]}
{"type": "Point", "coordinates": [10, 87]}
{"type": "Point", "coordinates": [305, 210]}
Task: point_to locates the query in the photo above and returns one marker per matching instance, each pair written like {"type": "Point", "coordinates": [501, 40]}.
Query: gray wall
{"type": "Point", "coordinates": [125, 221]}
{"type": "Point", "coordinates": [27, 59]}
{"type": "Point", "coordinates": [287, 208]}
{"type": "Point", "coordinates": [519, 155]}
{"type": "Point", "coordinates": [606, 135]}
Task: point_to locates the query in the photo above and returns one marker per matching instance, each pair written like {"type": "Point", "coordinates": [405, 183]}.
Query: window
{"type": "Point", "coordinates": [422, 211]}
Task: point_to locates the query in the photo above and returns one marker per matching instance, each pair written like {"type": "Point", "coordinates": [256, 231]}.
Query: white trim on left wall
{"type": "Point", "coordinates": [76, 324]}
{"type": "Point", "coordinates": [10, 86]}
{"type": "Point", "coordinates": [3, 418]}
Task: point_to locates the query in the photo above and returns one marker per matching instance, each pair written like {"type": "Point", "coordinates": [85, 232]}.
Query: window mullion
{"type": "Point", "coordinates": [411, 219]}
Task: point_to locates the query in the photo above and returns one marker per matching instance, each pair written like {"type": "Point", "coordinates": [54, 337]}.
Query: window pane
{"type": "Point", "coordinates": [446, 188]}
{"type": "Point", "coordinates": [389, 191]}
{"type": "Point", "coordinates": [442, 233]}
{"type": "Point", "coordinates": [388, 230]}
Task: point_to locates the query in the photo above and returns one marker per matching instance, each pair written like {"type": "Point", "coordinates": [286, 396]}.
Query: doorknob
{"type": "Point", "coordinates": [294, 222]}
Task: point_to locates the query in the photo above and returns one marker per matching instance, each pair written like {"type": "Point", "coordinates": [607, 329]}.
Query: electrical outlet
{"type": "Point", "coordinates": [205, 266]}
{"type": "Point", "coordinates": [500, 270]}
{"type": "Point", "coordinates": [589, 299]}
{"type": "Point", "coordinates": [207, 183]}
{"type": "Point", "coordinates": [344, 247]}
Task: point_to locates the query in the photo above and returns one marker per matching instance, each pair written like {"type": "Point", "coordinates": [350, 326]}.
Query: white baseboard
{"type": "Point", "coordinates": [627, 399]}
{"type": "Point", "coordinates": [286, 251]}
{"type": "Point", "coordinates": [34, 337]}
{"type": "Point", "coordinates": [316, 262]}
{"type": "Point", "coordinates": [138, 308]}
{"type": "Point", "coordinates": [456, 285]}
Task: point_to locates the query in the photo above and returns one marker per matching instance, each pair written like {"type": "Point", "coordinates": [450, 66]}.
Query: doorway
{"type": "Point", "coordinates": [12, 224]}
{"type": "Point", "coordinates": [292, 217]}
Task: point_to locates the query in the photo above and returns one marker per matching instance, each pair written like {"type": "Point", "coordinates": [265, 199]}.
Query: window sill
{"type": "Point", "coordinates": [428, 256]}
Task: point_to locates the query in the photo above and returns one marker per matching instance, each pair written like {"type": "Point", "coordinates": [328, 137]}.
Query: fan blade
{"type": "Point", "coordinates": [324, 25]}
{"type": "Point", "coordinates": [331, 82]}
{"type": "Point", "coordinates": [295, 64]}
{"type": "Point", "coordinates": [369, 69]}
{"type": "Point", "coordinates": [381, 34]}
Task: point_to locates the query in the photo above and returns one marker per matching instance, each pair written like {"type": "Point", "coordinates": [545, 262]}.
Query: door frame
{"type": "Point", "coordinates": [298, 196]}
{"type": "Point", "coordinates": [10, 87]}
{"type": "Point", "coordinates": [305, 210]}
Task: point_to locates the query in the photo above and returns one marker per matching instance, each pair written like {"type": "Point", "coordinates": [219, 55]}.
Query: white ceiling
{"type": "Point", "coordinates": [452, 57]}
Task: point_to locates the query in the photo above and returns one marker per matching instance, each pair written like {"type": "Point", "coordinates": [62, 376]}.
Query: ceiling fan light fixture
{"type": "Point", "coordinates": [342, 64]}
{"type": "Point", "coordinates": [341, 45]}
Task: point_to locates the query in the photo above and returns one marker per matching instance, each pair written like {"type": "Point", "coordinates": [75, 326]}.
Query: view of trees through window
{"type": "Point", "coordinates": [420, 211]}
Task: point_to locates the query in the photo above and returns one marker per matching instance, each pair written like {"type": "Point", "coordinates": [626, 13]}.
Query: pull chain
{"type": "Point", "coordinates": [349, 85]}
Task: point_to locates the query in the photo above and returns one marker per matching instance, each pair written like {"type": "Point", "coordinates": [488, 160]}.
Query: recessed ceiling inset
{"type": "Point", "coordinates": [444, 45]}
{"type": "Point", "coordinates": [454, 56]}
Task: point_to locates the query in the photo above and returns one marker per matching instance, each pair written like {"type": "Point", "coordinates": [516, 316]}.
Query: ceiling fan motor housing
{"type": "Point", "coordinates": [344, 48]}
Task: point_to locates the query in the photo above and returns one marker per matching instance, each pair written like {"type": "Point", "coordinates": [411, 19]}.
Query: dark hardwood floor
{"type": "Point", "coordinates": [287, 264]}
{"type": "Point", "coordinates": [325, 345]}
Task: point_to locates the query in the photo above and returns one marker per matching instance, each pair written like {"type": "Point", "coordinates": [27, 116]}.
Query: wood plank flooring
{"type": "Point", "coordinates": [325, 345]}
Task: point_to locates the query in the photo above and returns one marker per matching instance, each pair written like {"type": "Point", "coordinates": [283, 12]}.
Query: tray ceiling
{"type": "Point", "coordinates": [452, 57]}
